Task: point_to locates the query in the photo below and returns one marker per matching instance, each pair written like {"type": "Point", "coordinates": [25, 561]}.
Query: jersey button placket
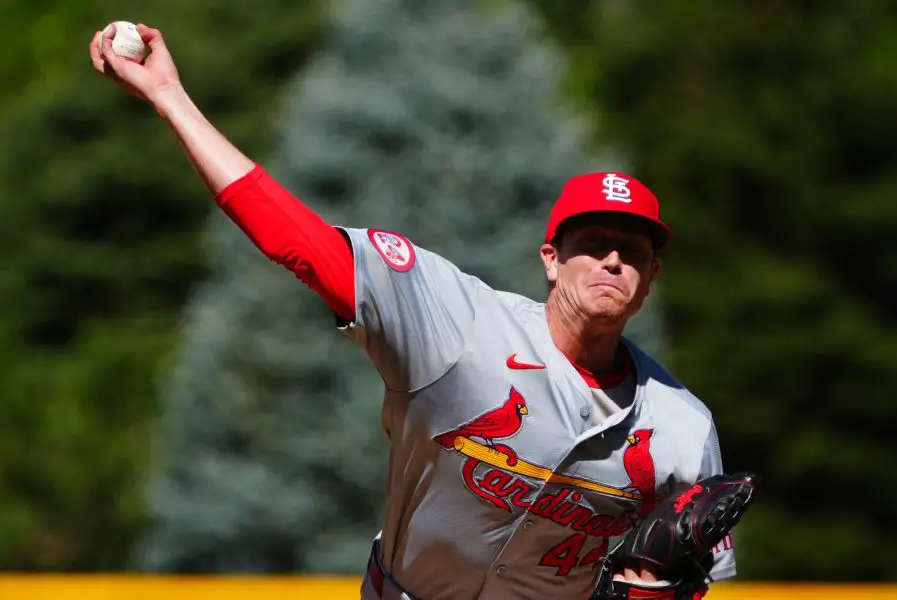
{"type": "Point", "coordinates": [500, 570]}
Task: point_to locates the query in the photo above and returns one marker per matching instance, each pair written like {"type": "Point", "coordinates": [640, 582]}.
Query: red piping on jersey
{"type": "Point", "coordinates": [294, 236]}
{"type": "Point", "coordinates": [604, 381]}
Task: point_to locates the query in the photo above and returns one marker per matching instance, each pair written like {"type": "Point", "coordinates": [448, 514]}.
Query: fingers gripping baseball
{"type": "Point", "coordinates": [145, 78]}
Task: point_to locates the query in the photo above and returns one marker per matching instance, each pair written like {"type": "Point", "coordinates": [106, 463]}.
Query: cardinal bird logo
{"type": "Point", "coordinates": [640, 467]}
{"type": "Point", "coordinates": [501, 422]}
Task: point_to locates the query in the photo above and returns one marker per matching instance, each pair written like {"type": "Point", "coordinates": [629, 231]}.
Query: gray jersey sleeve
{"type": "Point", "coordinates": [712, 464]}
{"type": "Point", "coordinates": [414, 310]}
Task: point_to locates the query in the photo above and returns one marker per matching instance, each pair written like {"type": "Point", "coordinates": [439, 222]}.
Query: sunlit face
{"type": "Point", "coordinates": [602, 270]}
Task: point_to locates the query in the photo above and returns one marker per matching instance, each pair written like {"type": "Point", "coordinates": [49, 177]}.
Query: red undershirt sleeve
{"type": "Point", "coordinates": [292, 235]}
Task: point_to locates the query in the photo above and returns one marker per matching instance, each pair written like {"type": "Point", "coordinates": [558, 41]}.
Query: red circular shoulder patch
{"type": "Point", "coordinates": [395, 249]}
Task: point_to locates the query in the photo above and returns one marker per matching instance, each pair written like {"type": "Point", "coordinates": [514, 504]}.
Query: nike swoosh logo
{"type": "Point", "coordinates": [513, 364]}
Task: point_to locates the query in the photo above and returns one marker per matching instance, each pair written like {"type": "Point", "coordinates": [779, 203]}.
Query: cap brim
{"type": "Point", "coordinates": [658, 231]}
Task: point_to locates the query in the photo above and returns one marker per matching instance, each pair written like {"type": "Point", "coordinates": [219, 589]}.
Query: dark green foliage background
{"type": "Point", "coordinates": [100, 224]}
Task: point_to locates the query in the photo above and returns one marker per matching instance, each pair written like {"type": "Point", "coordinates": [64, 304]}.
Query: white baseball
{"type": "Point", "coordinates": [126, 40]}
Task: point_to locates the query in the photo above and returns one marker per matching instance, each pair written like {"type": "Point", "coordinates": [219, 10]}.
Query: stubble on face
{"type": "Point", "coordinates": [605, 273]}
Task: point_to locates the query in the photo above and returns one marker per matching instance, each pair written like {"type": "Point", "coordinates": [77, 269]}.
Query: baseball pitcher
{"type": "Point", "coordinates": [534, 452]}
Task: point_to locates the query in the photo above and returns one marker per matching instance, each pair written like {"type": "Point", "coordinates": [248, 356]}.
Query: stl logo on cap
{"type": "Point", "coordinates": [616, 188]}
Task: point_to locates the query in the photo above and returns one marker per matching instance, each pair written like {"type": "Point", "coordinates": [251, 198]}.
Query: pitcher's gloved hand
{"type": "Point", "coordinates": [677, 538]}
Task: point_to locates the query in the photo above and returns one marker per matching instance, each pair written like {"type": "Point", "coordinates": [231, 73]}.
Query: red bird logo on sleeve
{"type": "Point", "coordinates": [640, 467]}
{"type": "Point", "coordinates": [501, 422]}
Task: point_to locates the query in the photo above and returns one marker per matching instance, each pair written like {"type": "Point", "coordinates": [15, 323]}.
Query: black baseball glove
{"type": "Point", "coordinates": [677, 538]}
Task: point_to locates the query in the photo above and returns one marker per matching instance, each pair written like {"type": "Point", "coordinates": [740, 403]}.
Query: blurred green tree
{"type": "Point", "coordinates": [767, 129]}
{"type": "Point", "coordinates": [439, 119]}
{"type": "Point", "coordinates": [99, 239]}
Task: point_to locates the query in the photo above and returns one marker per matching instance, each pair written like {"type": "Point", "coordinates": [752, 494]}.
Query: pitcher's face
{"type": "Point", "coordinates": [601, 271]}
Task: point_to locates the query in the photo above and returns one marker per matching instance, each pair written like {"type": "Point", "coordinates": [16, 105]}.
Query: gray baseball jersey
{"type": "Point", "coordinates": [502, 484]}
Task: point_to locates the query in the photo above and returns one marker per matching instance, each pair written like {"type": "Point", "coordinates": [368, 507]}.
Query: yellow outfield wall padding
{"type": "Point", "coordinates": [137, 587]}
{"type": "Point", "coordinates": [148, 587]}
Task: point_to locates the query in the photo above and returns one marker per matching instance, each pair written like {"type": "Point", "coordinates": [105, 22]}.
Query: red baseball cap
{"type": "Point", "coordinates": [608, 192]}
